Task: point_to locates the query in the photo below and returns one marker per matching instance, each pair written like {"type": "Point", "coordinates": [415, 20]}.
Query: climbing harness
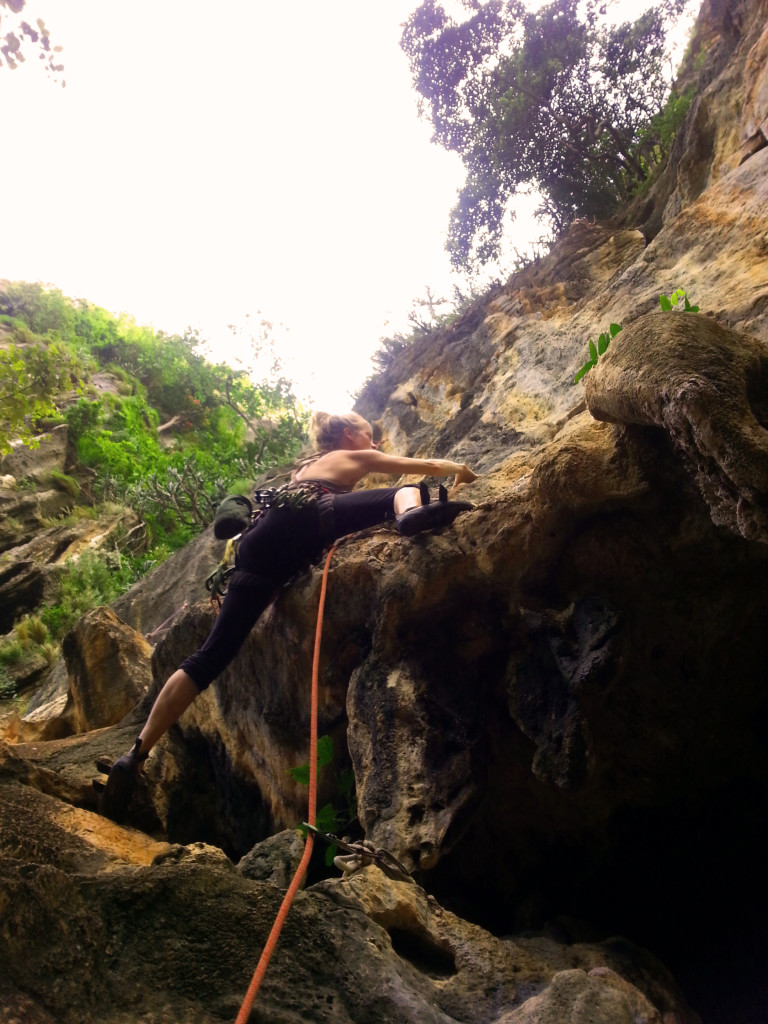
{"type": "Point", "coordinates": [300, 494]}
{"type": "Point", "coordinates": [237, 514]}
{"type": "Point", "coordinates": [298, 878]}
{"type": "Point", "coordinates": [216, 584]}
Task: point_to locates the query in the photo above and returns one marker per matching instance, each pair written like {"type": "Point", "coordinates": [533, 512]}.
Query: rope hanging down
{"type": "Point", "coordinates": [298, 878]}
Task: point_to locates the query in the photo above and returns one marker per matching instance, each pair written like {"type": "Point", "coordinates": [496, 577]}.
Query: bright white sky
{"type": "Point", "coordinates": [208, 162]}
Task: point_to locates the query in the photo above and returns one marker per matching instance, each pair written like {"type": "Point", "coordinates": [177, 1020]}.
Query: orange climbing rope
{"type": "Point", "coordinates": [298, 878]}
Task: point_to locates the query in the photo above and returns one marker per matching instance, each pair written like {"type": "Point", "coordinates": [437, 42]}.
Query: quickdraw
{"type": "Point", "coordinates": [216, 583]}
{"type": "Point", "coordinates": [361, 854]}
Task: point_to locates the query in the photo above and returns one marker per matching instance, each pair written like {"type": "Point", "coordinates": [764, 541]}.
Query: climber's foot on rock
{"type": "Point", "coordinates": [117, 793]}
{"type": "Point", "coordinates": [430, 517]}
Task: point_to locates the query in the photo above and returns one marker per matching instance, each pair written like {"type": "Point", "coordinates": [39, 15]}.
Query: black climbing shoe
{"type": "Point", "coordinates": [430, 514]}
{"type": "Point", "coordinates": [119, 788]}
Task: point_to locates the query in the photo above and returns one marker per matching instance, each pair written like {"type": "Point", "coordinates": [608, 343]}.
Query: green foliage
{"type": "Point", "coordinates": [654, 139]}
{"type": "Point", "coordinates": [337, 815]}
{"type": "Point", "coordinates": [595, 351]}
{"type": "Point", "coordinates": [95, 578]}
{"type": "Point", "coordinates": [224, 426]}
{"type": "Point", "coordinates": [42, 310]}
{"type": "Point", "coordinates": [300, 774]}
{"type": "Point", "coordinates": [668, 303]}
{"type": "Point", "coordinates": [7, 684]}
{"type": "Point", "coordinates": [182, 496]}
{"type": "Point", "coordinates": [31, 376]}
{"type": "Point", "coordinates": [554, 99]}
{"type": "Point", "coordinates": [120, 437]}
{"type": "Point", "coordinates": [64, 482]}
{"type": "Point", "coordinates": [31, 630]}
{"type": "Point", "coordinates": [30, 635]}
{"type": "Point", "coordinates": [11, 651]}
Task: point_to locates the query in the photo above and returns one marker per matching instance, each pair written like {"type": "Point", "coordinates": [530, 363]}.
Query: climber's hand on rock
{"type": "Point", "coordinates": [464, 476]}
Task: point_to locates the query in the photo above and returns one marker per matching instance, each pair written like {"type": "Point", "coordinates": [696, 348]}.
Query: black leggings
{"type": "Point", "coordinates": [283, 542]}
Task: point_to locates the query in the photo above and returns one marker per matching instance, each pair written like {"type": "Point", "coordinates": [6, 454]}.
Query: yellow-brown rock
{"type": "Point", "coordinates": [555, 709]}
{"type": "Point", "coordinates": [108, 667]}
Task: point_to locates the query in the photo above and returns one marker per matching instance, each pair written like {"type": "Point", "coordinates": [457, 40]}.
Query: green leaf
{"type": "Point", "coordinates": [300, 774]}
{"type": "Point", "coordinates": [324, 751]}
{"type": "Point", "coordinates": [327, 820]}
{"type": "Point", "coordinates": [665, 304]}
{"type": "Point", "coordinates": [615, 329]}
{"type": "Point", "coordinates": [593, 353]}
{"type": "Point", "coordinates": [585, 369]}
{"type": "Point", "coordinates": [603, 343]}
{"type": "Point", "coordinates": [330, 853]}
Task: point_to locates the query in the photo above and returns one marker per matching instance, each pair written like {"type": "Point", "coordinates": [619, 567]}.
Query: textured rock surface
{"type": "Point", "coordinates": [708, 388]}
{"type": "Point", "coordinates": [555, 709]}
{"type": "Point", "coordinates": [29, 571]}
{"type": "Point", "coordinates": [108, 667]}
{"type": "Point", "coordinates": [361, 951]}
{"type": "Point", "coordinates": [37, 537]}
{"type": "Point", "coordinates": [157, 599]}
{"type": "Point", "coordinates": [36, 463]}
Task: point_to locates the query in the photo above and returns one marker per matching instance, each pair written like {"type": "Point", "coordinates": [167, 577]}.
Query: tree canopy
{"type": "Point", "coordinates": [556, 100]}
{"type": "Point", "coordinates": [17, 34]}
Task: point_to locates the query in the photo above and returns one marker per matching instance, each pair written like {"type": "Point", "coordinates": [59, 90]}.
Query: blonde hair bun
{"type": "Point", "coordinates": [327, 430]}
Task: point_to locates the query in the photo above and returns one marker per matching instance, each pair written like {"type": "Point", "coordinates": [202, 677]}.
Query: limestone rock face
{"type": "Point", "coordinates": [754, 118]}
{"type": "Point", "coordinates": [707, 387]}
{"type": "Point", "coordinates": [555, 709]}
{"type": "Point", "coordinates": [498, 381]}
{"type": "Point", "coordinates": [108, 667]}
{"type": "Point", "coordinates": [35, 463]}
{"type": "Point", "coordinates": [184, 930]}
{"type": "Point", "coordinates": [164, 593]}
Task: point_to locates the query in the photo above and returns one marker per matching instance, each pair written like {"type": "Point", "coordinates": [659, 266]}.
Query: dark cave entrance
{"type": "Point", "coordinates": [686, 882]}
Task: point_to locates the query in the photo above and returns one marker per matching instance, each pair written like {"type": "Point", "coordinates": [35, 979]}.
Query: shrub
{"type": "Point", "coordinates": [31, 630]}
{"type": "Point", "coordinates": [11, 651]}
{"type": "Point", "coordinates": [65, 483]}
{"type": "Point", "coordinates": [96, 578]}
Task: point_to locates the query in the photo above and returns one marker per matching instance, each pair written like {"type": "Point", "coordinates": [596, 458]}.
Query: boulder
{"type": "Point", "coordinates": [35, 463]}
{"type": "Point", "coordinates": [108, 668]}
{"type": "Point", "coordinates": [105, 672]}
{"type": "Point", "coordinates": [365, 949]}
{"type": "Point", "coordinates": [707, 387]}
{"type": "Point", "coordinates": [275, 860]}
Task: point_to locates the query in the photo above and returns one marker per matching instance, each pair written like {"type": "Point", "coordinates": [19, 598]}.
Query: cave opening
{"type": "Point", "coordinates": [686, 881]}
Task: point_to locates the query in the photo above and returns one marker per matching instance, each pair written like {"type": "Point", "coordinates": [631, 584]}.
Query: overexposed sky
{"type": "Point", "coordinates": [207, 162]}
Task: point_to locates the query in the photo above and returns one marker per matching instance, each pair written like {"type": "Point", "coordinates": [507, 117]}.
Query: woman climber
{"type": "Point", "coordinates": [315, 509]}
